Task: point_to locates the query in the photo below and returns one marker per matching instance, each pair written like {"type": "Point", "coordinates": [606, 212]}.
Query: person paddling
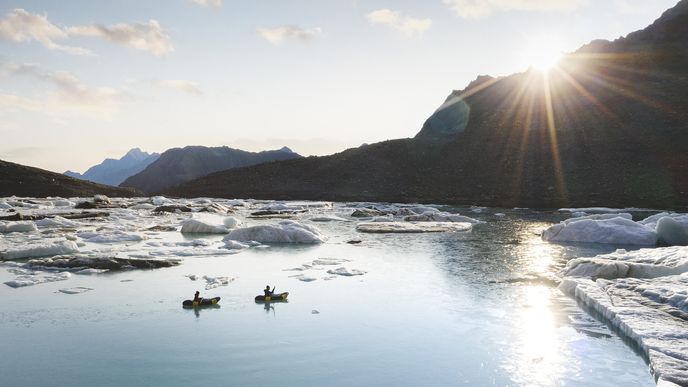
{"type": "Point", "coordinates": [268, 292]}
{"type": "Point", "coordinates": [197, 296]}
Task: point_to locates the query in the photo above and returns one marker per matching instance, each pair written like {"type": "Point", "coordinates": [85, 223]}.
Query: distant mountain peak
{"type": "Point", "coordinates": [114, 171]}
{"type": "Point", "coordinates": [285, 149]}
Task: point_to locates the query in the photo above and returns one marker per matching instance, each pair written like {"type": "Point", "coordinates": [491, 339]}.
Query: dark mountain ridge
{"type": "Point", "coordinates": [608, 127]}
{"type": "Point", "coordinates": [20, 180]}
{"type": "Point", "coordinates": [179, 165]}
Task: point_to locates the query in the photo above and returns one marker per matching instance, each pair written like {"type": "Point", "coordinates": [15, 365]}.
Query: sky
{"type": "Point", "coordinates": [81, 81]}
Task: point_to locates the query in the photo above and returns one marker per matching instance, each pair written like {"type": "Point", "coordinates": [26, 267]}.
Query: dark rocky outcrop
{"type": "Point", "coordinates": [608, 127]}
{"type": "Point", "coordinates": [179, 165]}
{"type": "Point", "coordinates": [20, 180]}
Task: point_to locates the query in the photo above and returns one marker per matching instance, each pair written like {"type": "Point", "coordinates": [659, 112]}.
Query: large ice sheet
{"type": "Point", "coordinates": [644, 294]}
{"type": "Point", "coordinates": [616, 230]}
{"type": "Point", "coordinates": [283, 232]}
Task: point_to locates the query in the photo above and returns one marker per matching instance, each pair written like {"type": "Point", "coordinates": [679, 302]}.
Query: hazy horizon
{"type": "Point", "coordinates": [82, 81]}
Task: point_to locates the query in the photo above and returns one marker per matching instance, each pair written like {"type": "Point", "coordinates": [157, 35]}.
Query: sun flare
{"type": "Point", "coordinates": [542, 53]}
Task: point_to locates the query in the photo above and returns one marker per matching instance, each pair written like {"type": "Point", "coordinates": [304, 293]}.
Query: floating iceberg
{"type": "Point", "coordinates": [411, 227]}
{"type": "Point", "coordinates": [671, 228]}
{"type": "Point", "coordinates": [7, 227]}
{"type": "Point", "coordinates": [616, 230]}
{"type": "Point", "coordinates": [284, 232]}
{"type": "Point", "coordinates": [45, 249]}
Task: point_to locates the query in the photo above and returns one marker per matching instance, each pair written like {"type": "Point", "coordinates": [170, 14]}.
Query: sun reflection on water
{"type": "Point", "coordinates": [538, 356]}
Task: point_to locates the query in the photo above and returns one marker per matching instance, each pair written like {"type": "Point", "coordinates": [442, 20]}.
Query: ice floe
{"type": "Point", "coordinates": [328, 218]}
{"type": "Point", "coordinates": [76, 290]}
{"type": "Point", "coordinates": [235, 245]}
{"type": "Point", "coordinates": [643, 263]}
{"type": "Point", "coordinates": [81, 263]}
{"type": "Point", "coordinates": [413, 227]}
{"type": "Point", "coordinates": [214, 282]}
{"type": "Point", "coordinates": [440, 217]}
{"type": "Point", "coordinates": [56, 222]}
{"type": "Point", "coordinates": [303, 277]}
{"type": "Point", "coordinates": [7, 227]}
{"type": "Point", "coordinates": [110, 236]}
{"type": "Point", "coordinates": [42, 249]}
{"type": "Point", "coordinates": [31, 278]}
{"type": "Point", "coordinates": [283, 232]}
{"type": "Point", "coordinates": [343, 271]}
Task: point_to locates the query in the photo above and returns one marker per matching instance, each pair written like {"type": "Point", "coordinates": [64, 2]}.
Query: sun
{"type": "Point", "coordinates": [542, 53]}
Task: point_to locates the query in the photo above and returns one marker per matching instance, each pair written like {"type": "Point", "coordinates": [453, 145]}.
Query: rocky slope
{"type": "Point", "coordinates": [113, 172]}
{"type": "Point", "coordinates": [20, 180]}
{"type": "Point", "coordinates": [608, 127]}
{"type": "Point", "coordinates": [179, 165]}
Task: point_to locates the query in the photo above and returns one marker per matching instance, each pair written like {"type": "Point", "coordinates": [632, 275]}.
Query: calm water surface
{"type": "Point", "coordinates": [469, 309]}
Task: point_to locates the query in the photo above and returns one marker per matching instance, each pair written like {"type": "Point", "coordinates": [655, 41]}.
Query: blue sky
{"type": "Point", "coordinates": [83, 80]}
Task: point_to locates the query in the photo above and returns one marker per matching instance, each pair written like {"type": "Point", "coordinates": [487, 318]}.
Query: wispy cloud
{"type": "Point", "coordinates": [205, 3]}
{"type": "Point", "coordinates": [179, 84]}
{"type": "Point", "coordinates": [68, 93]}
{"type": "Point", "coordinates": [21, 26]}
{"type": "Point", "coordinates": [279, 35]}
{"type": "Point", "coordinates": [150, 36]}
{"type": "Point", "coordinates": [475, 9]}
{"type": "Point", "coordinates": [396, 20]}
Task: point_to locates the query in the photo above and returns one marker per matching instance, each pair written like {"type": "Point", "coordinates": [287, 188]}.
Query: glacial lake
{"type": "Point", "coordinates": [470, 309]}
